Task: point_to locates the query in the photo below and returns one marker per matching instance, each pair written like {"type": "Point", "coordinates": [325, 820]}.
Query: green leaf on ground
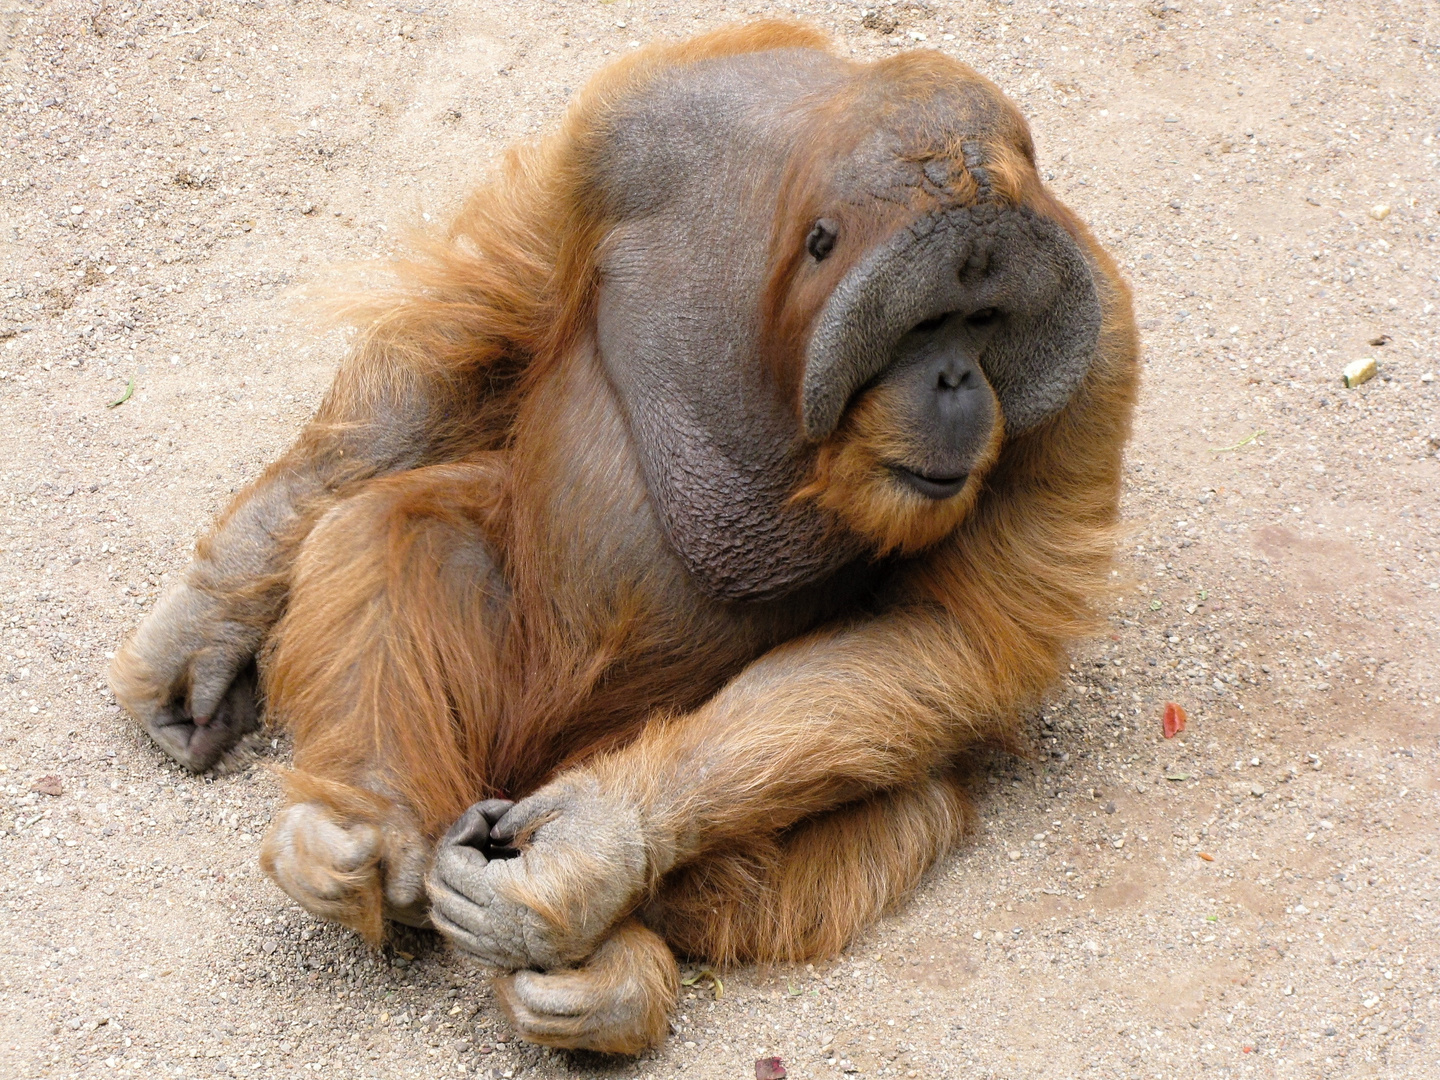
{"type": "Point", "coordinates": [129, 389]}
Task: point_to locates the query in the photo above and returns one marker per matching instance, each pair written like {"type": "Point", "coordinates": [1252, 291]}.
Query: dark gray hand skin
{"type": "Point", "coordinates": [207, 657]}
{"type": "Point", "coordinates": [478, 899]}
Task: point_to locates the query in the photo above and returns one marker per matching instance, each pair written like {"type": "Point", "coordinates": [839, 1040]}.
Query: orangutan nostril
{"type": "Point", "coordinates": [953, 380]}
{"type": "Point", "coordinates": [821, 240]}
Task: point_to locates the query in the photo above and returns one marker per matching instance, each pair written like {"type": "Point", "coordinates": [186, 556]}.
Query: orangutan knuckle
{"type": "Point", "coordinates": [311, 846]}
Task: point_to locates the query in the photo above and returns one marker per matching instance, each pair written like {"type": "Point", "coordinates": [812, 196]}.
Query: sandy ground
{"type": "Point", "coordinates": [1257, 898]}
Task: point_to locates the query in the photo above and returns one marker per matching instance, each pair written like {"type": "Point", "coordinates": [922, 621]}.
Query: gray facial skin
{"type": "Point", "coordinates": [1018, 283]}
{"type": "Point", "coordinates": [944, 398]}
{"type": "Point", "coordinates": [692, 171]}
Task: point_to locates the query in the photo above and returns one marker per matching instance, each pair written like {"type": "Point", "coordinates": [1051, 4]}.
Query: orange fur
{"type": "Point", "coordinates": [852, 480]}
{"type": "Point", "coordinates": [807, 892]}
{"type": "Point", "coordinates": [380, 665]}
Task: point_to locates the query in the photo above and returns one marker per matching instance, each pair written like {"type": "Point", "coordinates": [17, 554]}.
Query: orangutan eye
{"type": "Point", "coordinates": [821, 240]}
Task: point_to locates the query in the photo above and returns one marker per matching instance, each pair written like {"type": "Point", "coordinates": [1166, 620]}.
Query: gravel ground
{"type": "Point", "coordinates": [1256, 898]}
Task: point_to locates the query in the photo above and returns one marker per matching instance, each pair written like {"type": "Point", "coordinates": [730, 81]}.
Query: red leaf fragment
{"type": "Point", "coordinates": [49, 785]}
{"type": "Point", "coordinates": [769, 1069]}
{"type": "Point", "coordinates": [1174, 721]}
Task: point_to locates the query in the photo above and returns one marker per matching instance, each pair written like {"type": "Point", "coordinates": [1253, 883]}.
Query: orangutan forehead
{"type": "Point", "coordinates": [927, 101]}
{"type": "Point", "coordinates": [725, 125]}
{"type": "Point", "coordinates": [708, 130]}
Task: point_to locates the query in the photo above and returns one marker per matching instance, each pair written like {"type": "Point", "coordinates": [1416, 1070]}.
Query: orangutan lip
{"type": "Point", "coordinates": [932, 487]}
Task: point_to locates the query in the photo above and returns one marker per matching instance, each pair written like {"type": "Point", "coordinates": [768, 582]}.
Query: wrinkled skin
{"type": "Point", "coordinates": [206, 665]}
{"type": "Point", "coordinates": [565, 832]}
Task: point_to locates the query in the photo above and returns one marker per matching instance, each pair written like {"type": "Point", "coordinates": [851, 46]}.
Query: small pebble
{"type": "Point", "coordinates": [1359, 371]}
{"type": "Point", "coordinates": [1380, 211]}
{"type": "Point", "coordinates": [49, 785]}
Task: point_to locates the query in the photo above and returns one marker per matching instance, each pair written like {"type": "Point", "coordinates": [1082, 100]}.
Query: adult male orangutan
{"type": "Point", "coordinates": [743, 453]}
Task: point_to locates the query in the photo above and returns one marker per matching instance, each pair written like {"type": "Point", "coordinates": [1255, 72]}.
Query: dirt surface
{"type": "Point", "coordinates": [1256, 898]}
